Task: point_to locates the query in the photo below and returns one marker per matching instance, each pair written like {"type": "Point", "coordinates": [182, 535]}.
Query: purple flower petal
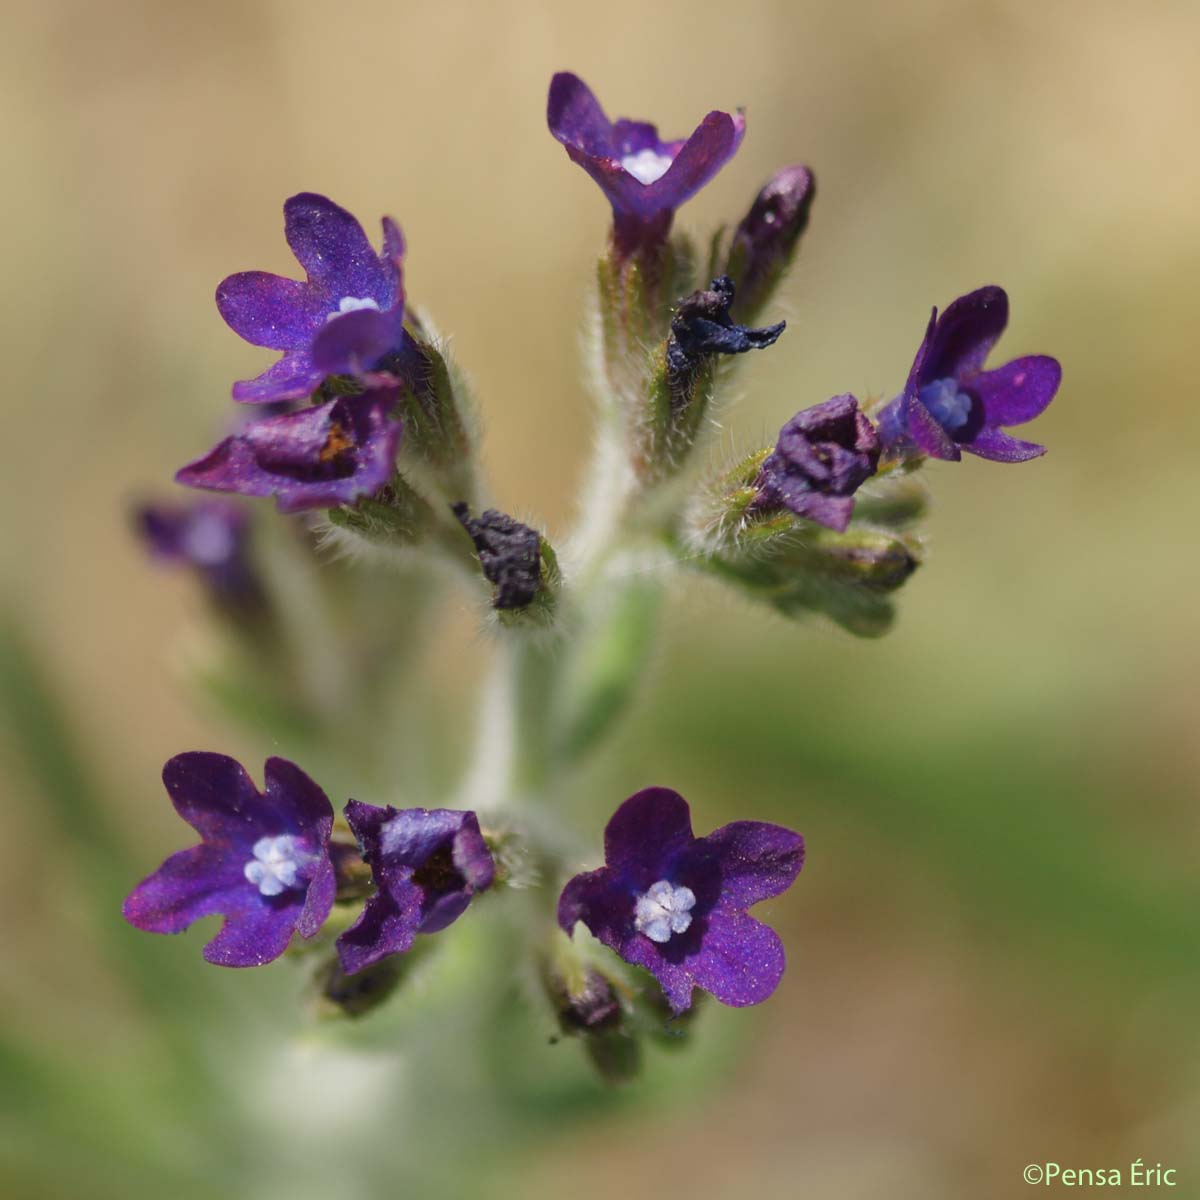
{"type": "Point", "coordinates": [255, 933]}
{"type": "Point", "coordinates": [331, 246]}
{"type": "Point", "coordinates": [388, 925]}
{"type": "Point", "coordinates": [576, 119]}
{"type": "Point", "coordinates": [965, 334]}
{"type": "Point", "coordinates": [927, 435]}
{"type": "Point", "coordinates": [756, 861]}
{"type": "Point", "coordinates": [293, 377]}
{"type": "Point", "coordinates": [644, 835]}
{"type": "Point", "coordinates": [271, 311]}
{"type": "Point", "coordinates": [712, 144]}
{"type": "Point", "coordinates": [599, 898]}
{"type": "Point", "coordinates": [444, 911]}
{"type": "Point", "coordinates": [1018, 391]}
{"type": "Point", "coordinates": [470, 854]}
{"type": "Point", "coordinates": [214, 794]}
{"type": "Point", "coordinates": [677, 979]}
{"type": "Point", "coordinates": [317, 457]}
{"type": "Point", "coordinates": [353, 343]}
{"type": "Point", "coordinates": [743, 960]}
{"type": "Point", "coordinates": [318, 900]}
{"type": "Point", "coordinates": [999, 446]}
{"type": "Point", "coordinates": [190, 884]}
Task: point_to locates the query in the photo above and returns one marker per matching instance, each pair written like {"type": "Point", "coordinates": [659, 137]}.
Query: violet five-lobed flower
{"type": "Point", "coordinates": [950, 403]}
{"type": "Point", "coordinates": [263, 859]}
{"type": "Point", "coordinates": [702, 327]}
{"type": "Point", "coordinates": [345, 318]}
{"type": "Point", "coordinates": [676, 904]}
{"type": "Point", "coordinates": [317, 457]}
{"type": "Point", "coordinates": [644, 178]}
{"type": "Point", "coordinates": [427, 864]}
{"type": "Point", "coordinates": [823, 455]}
{"type": "Point", "coordinates": [209, 536]}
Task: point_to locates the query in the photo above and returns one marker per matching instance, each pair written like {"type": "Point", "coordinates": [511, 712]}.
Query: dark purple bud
{"type": "Point", "coordinates": [951, 404]}
{"type": "Point", "coordinates": [263, 859]}
{"type": "Point", "coordinates": [702, 326]}
{"type": "Point", "coordinates": [765, 241]}
{"type": "Point", "coordinates": [676, 904]}
{"type": "Point", "coordinates": [644, 178]}
{"type": "Point", "coordinates": [318, 457]}
{"type": "Point", "coordinates": [823, 455]}
{"type": "Point", "coordinates": [586, 1003]}
{"type": "Point", "coordinates": [509, 553]}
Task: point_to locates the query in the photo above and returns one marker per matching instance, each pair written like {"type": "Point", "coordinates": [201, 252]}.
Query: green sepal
{"type": "Point", "coordinates": [396, 515]}
{"type": "Point", "coordinates": [439, 419]}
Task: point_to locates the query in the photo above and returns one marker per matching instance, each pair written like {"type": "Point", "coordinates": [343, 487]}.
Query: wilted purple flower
{"type": "Point", "coordinates": [210, 537]}
{"type": "Point", "coordinates": [644, 178]}
{"type": "Point", "coordinates": [343, 319]}
{"type": "Point", "coordinates": [702, 326]}
{"type": "Point", "coordinates": [263, 860]}
{"type": "Point", "coordinates": [950, 403]}
{"type": "Point", "coordinates": [510, 555]}
{"type": "Point", "coordinates": [318, 457]}
{"type": "Point", "coordinates": [426, 863]}
{"type": "Point", "coordinates": [676, 904]}
{"type": "Point", "coordinates": [823, 455]}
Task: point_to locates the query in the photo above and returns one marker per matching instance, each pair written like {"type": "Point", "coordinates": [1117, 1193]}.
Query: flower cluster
{"type": "Point", "coordinates": [667, 901]}
{"type": "Point", "coordinates": [365, 416]}
{"type": "Point", "coordinates": [266, 861]}
{"type": "Point", "coordinates": [344, 323]}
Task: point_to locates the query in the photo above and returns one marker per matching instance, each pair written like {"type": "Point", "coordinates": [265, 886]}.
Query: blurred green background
{"type": "Point", "coordinates": [993, 951]}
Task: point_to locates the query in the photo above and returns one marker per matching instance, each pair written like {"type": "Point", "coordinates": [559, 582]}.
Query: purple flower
{"type": "Point", "coordinates": [343, 319]}
{"type": "Point", "coordinates": [823, 455]}
{"type": "Point", "coordinates": [426, 863]}
{"type": "Point", "coordinates": [644, 178]}
{"type": "Point", "coordinates": [950, 403]}
{"type": "Point", "coordinates": [676, 904]}
{"type": "Point", "coordinates": [317, 457]}
{"type": "Point", "coordinates": [209, 536]}
{"type": "Point", "coordinates": [263, 860]}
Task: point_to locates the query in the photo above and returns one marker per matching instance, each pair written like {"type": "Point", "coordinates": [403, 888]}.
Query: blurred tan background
{"type": "Point", "coordinates": [993, 948]}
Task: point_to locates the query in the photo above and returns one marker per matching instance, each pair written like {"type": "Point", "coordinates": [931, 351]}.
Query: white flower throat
{"type": "Point", "coordinates": [663, 910]}
{"type": "Point", "coordinates": [276, 864]}
{"type": "Point", "coordinates": [351, 304]}
{"type": "Point", "coordinates": [646, 166]}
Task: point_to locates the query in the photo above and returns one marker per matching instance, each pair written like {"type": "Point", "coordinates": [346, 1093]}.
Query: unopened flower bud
{"type": "Point", "coordinates": [588, 1007]}
{"type": "Point", "coordinates": [765, 242]}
